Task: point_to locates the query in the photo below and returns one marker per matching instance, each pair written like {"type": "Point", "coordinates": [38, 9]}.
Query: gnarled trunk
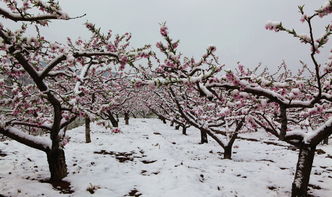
{"type": "Point", "coordinates": [87, 130]}
{"type": "Point", "coordinates": [303, 170]}
{"type": "Point", "coordinates": [114, 121]}
{"type": "Point", "coordinates": [204, 137]}
{"type": "Point", "coordinates": [57, 164]}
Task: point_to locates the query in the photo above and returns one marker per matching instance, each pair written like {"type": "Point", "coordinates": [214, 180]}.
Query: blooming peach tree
{"type": "Point", "coordinates": [293, 107]}
{"type": "Point", "coordinates": [42, 82]}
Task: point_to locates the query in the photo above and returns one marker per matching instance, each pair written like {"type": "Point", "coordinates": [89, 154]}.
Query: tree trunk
{"type": "Point", "coordinates": [228, 152]}
{"type": "Point", "coordinates": [229, 146]}
{"type": "Point", "coordinates": [177, 127]}
{"type": "Point", "coordinates": [87, 130]}
{"type": "Point", "coordinates": [57, 164]}
{"type": "Point", "coordinates": [163, 119]}
{"type": "Point", "coordinates": [204, 138]}
{"type": "Point", "coordinates": [114, 121]}
{"type": "Point", "coordinates": [126, 118]}
{"type": "Point", "coordinates": [172, 123]}
{"type": "Point", "coordinates": [184, 130]}
{"type": "Point", "coordinates": [303, 169]}
{"type": "Point", "coordinates": [326, 141]}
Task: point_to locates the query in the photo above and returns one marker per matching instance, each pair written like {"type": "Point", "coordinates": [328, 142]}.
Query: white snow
{"type": "Point", "coordinates": [44, 141]}
{"type": "Point", "coordinates": [81, 78]}
{"type": "Point", "coordinates": [180, 166]}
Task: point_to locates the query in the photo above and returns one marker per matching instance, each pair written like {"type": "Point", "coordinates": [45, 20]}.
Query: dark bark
{"type": "Point", "coordinates": [303, 169]}
{"type": "Point", "coordinates": [228, 148]}
{"type": "Point", "coordinates": [172, 123]}
{"type": "Point", "coordinates": [204, 137]}
{"type": "Point", "coordinates": [177, 127]}
{"type": "Point", "coordinates": [184, 130]}
{"type": "Point", "coordinates": [57, 164]}
{"type": "Point", "coordinates": [114, 121]}
{"type": "Point", "coordinates": [163, 119]}
{"type": "Point", "coordinates": [326, 141]}
{"type": "Point", "coordinates": [87, 130]}
{"type": "Point", "coordinates": [228, 152]}
{"type": "Point", "coordinates": [126, 118]}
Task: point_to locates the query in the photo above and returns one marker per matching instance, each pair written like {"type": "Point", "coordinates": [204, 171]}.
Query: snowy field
{"type": "Point", "coordinates": [151, 159]}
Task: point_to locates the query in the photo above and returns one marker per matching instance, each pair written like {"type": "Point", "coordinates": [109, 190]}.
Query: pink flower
{"type": "Point", "coordinates": [163, 31]}
{"type": "Point", "coordinates": [89, 25]}
{"type": "Point", "coordinates": [159, 45]}
{"type": "Point", "coordinates": [212, 49]}
{"type": "Point", "coordinates": [123, 61]}
{"type": "Point", "coordinates": [175, 45]}
{"type": "Point", "coordinates": [303, 18]}
{"type": "Point", "coordinates": [139, 84]}
{"type": "Point", "coordinates": [273, 26]}
{"type": "Point", "coordinates": [230, 76]}
{"type": "Point", "coordinates": [111, 48]}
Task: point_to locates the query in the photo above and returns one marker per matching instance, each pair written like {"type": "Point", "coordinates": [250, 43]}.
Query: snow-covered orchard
{"type": "Point", "coordinates": [106, 114]}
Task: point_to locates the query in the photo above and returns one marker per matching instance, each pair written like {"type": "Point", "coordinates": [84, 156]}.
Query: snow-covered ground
{"type": "Point", "coordinates": [150, 159]}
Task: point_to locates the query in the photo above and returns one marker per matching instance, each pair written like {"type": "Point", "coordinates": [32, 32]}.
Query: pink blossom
{"type": "Point", "coordinates": [111, 48]}
{"type": "Point", "coordinates": [89, 25]}
{"type": "Point", "coordinates": [123, 62]}
{"type": "Point", "coordinates": [304, 18]}
{"type": "Point", "coordinates": [163, 30]}
{"type": "Point", "coordinates": [159, 45]}
{"type": "Point", "coordinates": [273, 26]}
{"type": "Point", "coordinates": [175, 45]}
{"type": "Point", "coordinates": [212, 49]}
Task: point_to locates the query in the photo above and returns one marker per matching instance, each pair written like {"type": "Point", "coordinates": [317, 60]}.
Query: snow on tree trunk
{"type": "Point", "coordinates": [303, 169]}
{"type": "Point", "coordinates": [57, 164]}
{"type": "Point", "coordinates": [87, 130]}
{"type": "Point", "coordinates": [204, 138]}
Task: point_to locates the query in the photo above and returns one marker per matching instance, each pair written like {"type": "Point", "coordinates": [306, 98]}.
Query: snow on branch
{"type": "Point", "coordinates": [319, 134]}
{"type": "Point", "coordinates": [18, 17]}
{"type": "Point", "coordinates": [40, 143]}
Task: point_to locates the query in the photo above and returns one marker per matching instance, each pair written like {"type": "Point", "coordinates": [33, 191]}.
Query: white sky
{"type": "Point", "coordinates": [235, 27]}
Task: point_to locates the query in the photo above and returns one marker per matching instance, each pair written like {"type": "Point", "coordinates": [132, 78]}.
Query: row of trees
{"type": "Point", "coordinates": [293, 106]}
{"type": "Point", "coordinates": [46, 85]}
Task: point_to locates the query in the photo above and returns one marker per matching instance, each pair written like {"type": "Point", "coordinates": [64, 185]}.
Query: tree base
{"type": "Point", "coordinates": [57, 164]}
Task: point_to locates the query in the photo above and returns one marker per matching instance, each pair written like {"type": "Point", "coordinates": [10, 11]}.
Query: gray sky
{"type": "Point", "coordinates": [235, 27]}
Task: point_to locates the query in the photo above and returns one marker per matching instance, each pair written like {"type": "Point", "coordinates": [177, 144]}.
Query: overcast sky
{"type": "Point", "coordinates": [235, 27]}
